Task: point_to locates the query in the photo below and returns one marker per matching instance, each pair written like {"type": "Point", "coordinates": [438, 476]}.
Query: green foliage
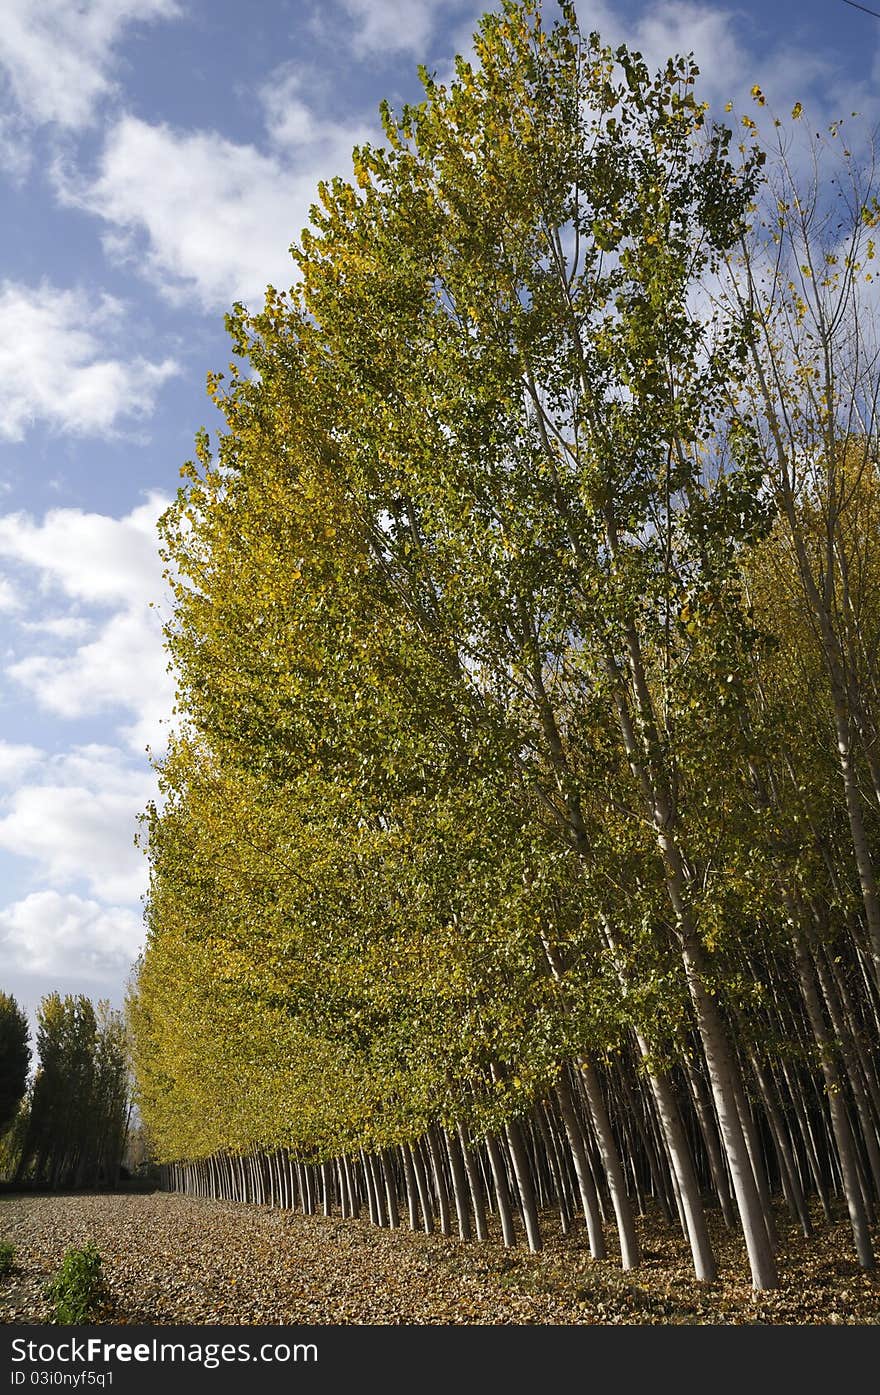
{"type": "Point", "coordinates": [75, 1130]}
{"type": "Point", "coordinates": [15, 1056]}
{"type": "Point", "coordinates": [78, 1288]}
{"type": "Point", "coordinates": [7, 1256]}
{"type": "Point", "coordinates": [489, 646]}
{"type": "Point", "coordinates": [374, 899]}
{"type": "Point", "coordinates": [386, 850]}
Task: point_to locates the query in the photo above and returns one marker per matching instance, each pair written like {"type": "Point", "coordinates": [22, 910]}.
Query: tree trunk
{"type": "Point", "coordinates": [440, 1188]}
{"type": "Point", "coordinates": [412, 1199]}
{"type": "Point", "coordinates": [521, 1172]}
{"type": "Point", "coordinates": [629, 1245]}
{"type": "Point", "coordinates": [722, 1071]}
{"type": "Point", "coordinates": [782, 1142]}
{"type": "Point", "coordinates": [475, 1182]}
{"type": "Point", "coordinates": [422, 1185]}
{"type": "Point", "coordinates": [839, 1119]}
{"type": "Point", "coordinates": [716, 1049]}
{"type": "Point", "coordinates": [459, 1185]}
{"type": "Point", "coordinates": [502, 1192]}
{"type": "Point", "coordinates": [390, 1190]}
{"type": "Point", "coordinates": [705, 1267]}
{"type": "Point", "coordinates": [555, 1167]}
{"type": "Point", "coordinates": [582, 1169]}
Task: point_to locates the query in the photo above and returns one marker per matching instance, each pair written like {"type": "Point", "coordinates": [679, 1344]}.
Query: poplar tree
{"type": "Point", "coordinates": [485, 872]}
{"type": "Point", "coordinates": [15, 1056]}
{"type": "Point", "coordinates": [79, 1102]}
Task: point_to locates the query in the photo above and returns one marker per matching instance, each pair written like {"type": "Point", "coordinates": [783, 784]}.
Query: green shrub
{"type": "Point", "coordinates": [78, 1287]}
{"type": "Point", "coordinates": [7, 1256]}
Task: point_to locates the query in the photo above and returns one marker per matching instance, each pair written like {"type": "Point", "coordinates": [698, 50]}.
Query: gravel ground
{"type": "Point", "coordinates": [172, 1259]}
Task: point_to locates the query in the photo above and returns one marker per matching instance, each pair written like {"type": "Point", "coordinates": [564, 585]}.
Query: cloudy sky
{"type": "Point", "coordinates": [157, 158]}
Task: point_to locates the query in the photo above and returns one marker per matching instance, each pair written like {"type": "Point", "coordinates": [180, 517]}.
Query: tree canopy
{"type": "Point", "coordinates": [520, 823]}
{"type": "Point", "coordinates": [74, 1127]}
{"type": "Point", "coordinates": [15, 1057]}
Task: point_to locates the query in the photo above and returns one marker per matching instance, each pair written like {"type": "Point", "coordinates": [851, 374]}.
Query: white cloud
{"type": "Point", "coordinates": [57, 55]}
{"type": "Point", "coordinates": [383, 26]}
{"type": "Point", "coordinates": [77, 821]}
{"type": "Point", "coordinates": [426, 31]}
{"type": "Point", "coordinates": [117, 664]}
{"type": "Point", "coordinates": [55, 367]}
{"type": "Point", "coordinates": [373, 28]}
{"type": "Point", "coordinates": [15, 760]}
{"type": "Point", "coordinates": [60, 627]}
{"type": "Point", "coordinates": [680, 26]}
{"type": "Point", "coordinates": [9, 598]}
{"type": "Point", "coordinates": [91, 556]}
{"type": "Point", "coordinates": [15, 148]}
{"type": "Point", "coordinates": [68, 936]}
{"type": "Point", "coordinates": [290, 121]}
{"type": "Point", "coordinates": [124, 667]}
{"type": "Point", "coordinates": [206, 218]}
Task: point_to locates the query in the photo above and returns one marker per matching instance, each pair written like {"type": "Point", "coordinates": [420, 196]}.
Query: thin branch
{"type": "Point", "coordinates": [863, 8]}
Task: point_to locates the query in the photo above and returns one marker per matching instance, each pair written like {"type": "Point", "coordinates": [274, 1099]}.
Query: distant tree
{"type": "Point", "coordinates": [79, 1101]}
{"type": "Point", "coordinates": [111, 1107]}
{"type": "Point", "coordinates": [12, 1141]}
{"type": "Point", "coordinates": [15, 1057]}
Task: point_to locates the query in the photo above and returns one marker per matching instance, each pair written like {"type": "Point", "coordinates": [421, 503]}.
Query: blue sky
{"type": "Point", "coordinates": [157, 157]}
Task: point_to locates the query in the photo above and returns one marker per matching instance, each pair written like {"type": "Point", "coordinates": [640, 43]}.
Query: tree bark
{"type": "Point", "coordinates": [629, 1245]}
{"type": "Point", "coordinates": [582, 1169]}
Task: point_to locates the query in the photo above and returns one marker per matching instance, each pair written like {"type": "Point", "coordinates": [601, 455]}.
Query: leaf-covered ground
{"type": "Point", "coordinates": [172, 1259]}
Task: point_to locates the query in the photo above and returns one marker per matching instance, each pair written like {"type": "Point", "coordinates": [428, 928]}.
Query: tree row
{"type": "Point", "coordinates": [69, 1124]}
{"type": "Point", "coordinates": [520, 828]}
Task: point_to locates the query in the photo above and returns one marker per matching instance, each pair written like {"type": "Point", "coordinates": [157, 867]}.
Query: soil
{"type": "Point", "coordinates": [171, 1259]}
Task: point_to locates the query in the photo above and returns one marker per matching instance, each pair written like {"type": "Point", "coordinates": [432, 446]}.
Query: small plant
{"type": "Point", "coordinates": [7, 1256]}
{"type": "Point", "coordinates": [78, 1287]}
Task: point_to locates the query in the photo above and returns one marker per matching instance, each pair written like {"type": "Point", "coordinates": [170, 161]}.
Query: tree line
{"type": "Point", "coordinates": [68, 1126]}
{"type": "Point", "coordinates": [518, 844]}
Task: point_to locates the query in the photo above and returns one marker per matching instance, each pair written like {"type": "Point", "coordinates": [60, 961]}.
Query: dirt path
{"type": "Point", "coordinates": [172, 1259]}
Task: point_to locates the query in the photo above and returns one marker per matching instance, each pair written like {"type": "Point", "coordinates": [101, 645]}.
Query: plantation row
{"type": "Point", "coordinates": [518, 841]}
{"type": "Point", "coordinates": [553, 1158]}
{"type": "Point", "coordinates": [68, 1126]}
